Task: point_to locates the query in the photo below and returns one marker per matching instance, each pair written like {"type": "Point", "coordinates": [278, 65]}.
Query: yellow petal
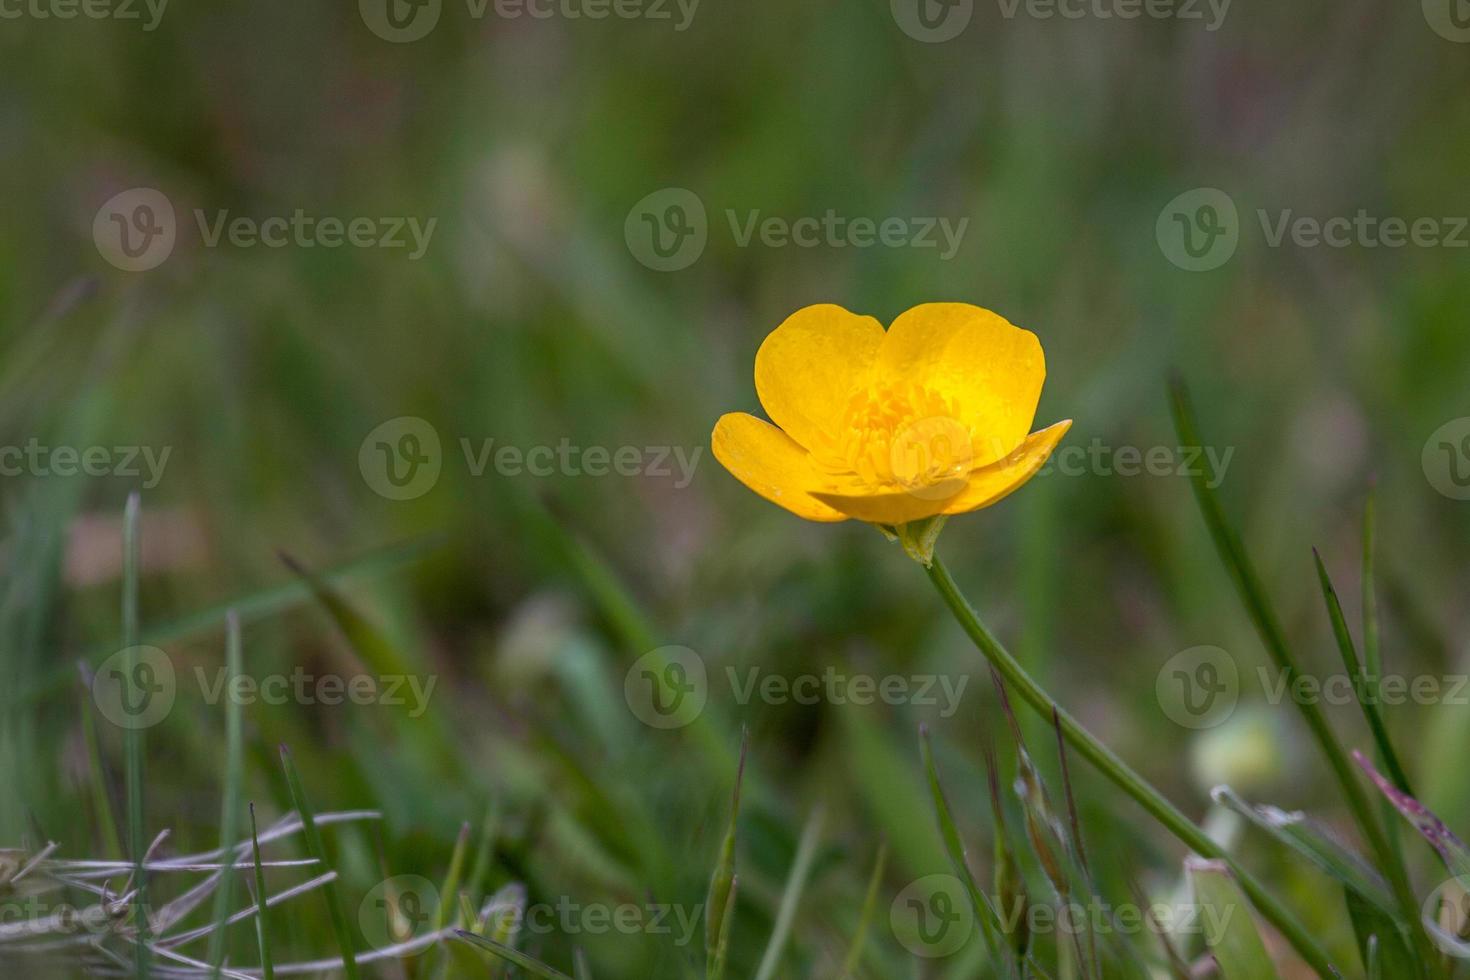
{"type": "Point", "coordinates": [769, 462]}
{"type": "Point", "coordinates": [981, 488]}
{"type": "Point", "coordinates": [808, 368]}
{"type": "Point", "coordinates": [989, 372]}
{"type": "Point", "coordinates": [999, 480]}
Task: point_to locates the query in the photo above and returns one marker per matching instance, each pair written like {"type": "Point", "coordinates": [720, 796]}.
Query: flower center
{"type": "Point", "coordinates": [907, 436]}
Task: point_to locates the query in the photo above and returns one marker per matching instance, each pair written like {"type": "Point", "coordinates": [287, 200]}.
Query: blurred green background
{"type": "Point", "coordinates": [529, 319]}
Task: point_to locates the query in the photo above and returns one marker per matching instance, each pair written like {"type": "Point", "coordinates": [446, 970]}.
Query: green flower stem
{"type": "Point", "coordinates": [1119, 772]}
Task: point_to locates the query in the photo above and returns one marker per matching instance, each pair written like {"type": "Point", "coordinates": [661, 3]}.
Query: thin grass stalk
{"type": "Point", "coordinates": [134, 745]}
{"type": "Point", "coordinates": [1113, 767]}
{"type": "Point", "coordinates": [315, 848]}
{"type": "Point", "coordinates": [262, 932]}
{"type": "Point", "coordinates": [1263, 616]}
{"type": "Point", "coordinates": [234, 777]}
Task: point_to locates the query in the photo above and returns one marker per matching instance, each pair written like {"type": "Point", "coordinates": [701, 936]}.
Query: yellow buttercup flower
{"type": "Point", "coordinates": [931, 417]}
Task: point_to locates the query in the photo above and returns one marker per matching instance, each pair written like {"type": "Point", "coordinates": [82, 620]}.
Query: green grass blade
{"type": "Point", "coordinates": [315, 849]}
{"type": "Point", "coordinates": [1451, 849]}
{"type": "Point", "coordinates": [1371, 652]}
{"type": "Point", "coordinates": [1229, 929]}
{"type": "Point", "coordinates": [513, 956]}
{"type": "Point", "coordinates": [716, 921]}
{"type": "Point", "coordinates": [251, 606]}
{"type": "Point", "coordinates": [1010, 884]}
{"type": "Point", "coordinates": [1079, 849]}
{"type": "Point", "coordinates": [262, 931]}
{"type": "Point", "coordinates": [1044, 831]}
{"type": "Point", "coordinates": [1315, 843]}
{"type": "Point", "coordinates": [801, 867]}
{"type": "Point", "coordinates": [1380, 939]}
{"type": "Point", "coordinates": [954, 846]}
{"type": "Point", "coordinates": [1372, 656]}
{"type": "Point", "coordinates": [367, 640]}
{"type": "Point", "coordinates": [717, 963]}
{"type": "Point", "coordinates": [134, 743]}
{"type": "Point", "coordinates": [1263, 616]}
{"type": "Point", "coordinates": [96, 779]}
{"type": "Point", "coordinates": [1364, 684]}
{"type": "Point", "coordinates": [1119, 772]}
{"type": "Point", "coordinates": [451, 878]}
{"type": "Point", "coordinates": [633, 624]}
{"type": "Point", "coordinates": [484, 851]}
{"type": "Point", "coordinates": [230, 807]}
{"type": "Point", "coordinates": [865, 917]}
